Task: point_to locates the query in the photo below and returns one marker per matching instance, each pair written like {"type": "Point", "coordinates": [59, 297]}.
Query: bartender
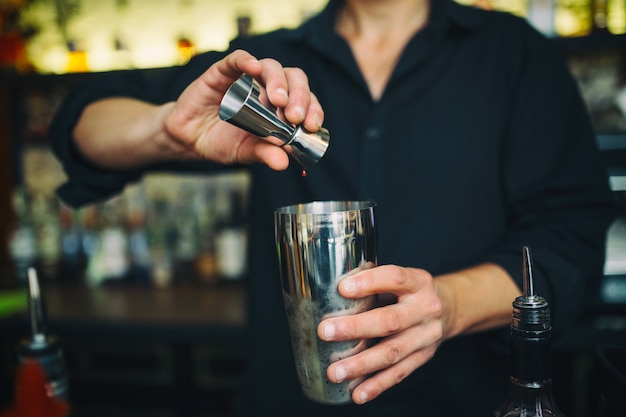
{"type": "Point", "coordinates": [464, 126]}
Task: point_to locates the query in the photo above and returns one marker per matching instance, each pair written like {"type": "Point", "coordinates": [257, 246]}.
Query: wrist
{"type": "Point", "coordinates": [451, 320]}
{"type": "Point", "coordinates": [476, 299]}
{"type": "Point", "coordinates": [166, 145]}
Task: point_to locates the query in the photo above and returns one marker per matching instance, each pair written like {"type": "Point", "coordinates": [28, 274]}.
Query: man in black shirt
{"type": "Point", "coordinates": [463, 125]}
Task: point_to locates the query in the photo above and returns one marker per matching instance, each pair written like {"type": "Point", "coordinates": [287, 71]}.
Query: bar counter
{"type": "Point", "coordinates": [183, 312]}
{"type": "Point", "coordinates": [140, 351]}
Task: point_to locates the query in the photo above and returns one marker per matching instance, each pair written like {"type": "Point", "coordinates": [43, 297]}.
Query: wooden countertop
{"type": "Point", "coordinates": [222, 305]}
{"type": "Point", "coordinates": [187, 312]}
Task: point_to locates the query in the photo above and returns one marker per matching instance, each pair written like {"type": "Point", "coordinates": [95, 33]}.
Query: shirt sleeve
{"type": "Point", "coordinates": [88, 183]}
{"type": "Point", "coordinates": [556, 185]}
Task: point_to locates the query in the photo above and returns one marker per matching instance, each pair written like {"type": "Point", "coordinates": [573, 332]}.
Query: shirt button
{"type": "Point", "coordinates": [372, 134]}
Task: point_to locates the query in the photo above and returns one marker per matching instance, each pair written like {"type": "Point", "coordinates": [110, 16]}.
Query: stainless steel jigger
{"type": "Point", "coordinates": [242, 107]}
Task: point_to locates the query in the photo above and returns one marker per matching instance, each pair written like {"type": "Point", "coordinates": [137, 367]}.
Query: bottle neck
{"type": "Point", "coordinates": [530, 399]}
{"type": "Point", "coordinates": [530, 355]}
{"type": "Point", "coordinates": [538, 386]}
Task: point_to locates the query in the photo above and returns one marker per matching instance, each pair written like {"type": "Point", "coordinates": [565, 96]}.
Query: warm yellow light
{"type": "Point", "coordinates": [573, 18]}
{"type": "Point", "coordinates": [616, 17]}
{"type": "Point", "coordinates": [53, 60]}
{"type": "Point", "coordinates": [146, 31]}
{"type": "Point", "coordinates": [154, 56]}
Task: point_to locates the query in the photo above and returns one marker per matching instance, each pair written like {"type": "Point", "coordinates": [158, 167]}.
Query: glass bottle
{"type": "Point", "coordinates": [42, 387]}
{"type": "Point", "coordinates": [22, 235]}
{"type": "Point", "coordinates": [231, 239]}
{"type": "Point", "coordinates": [138, 244]}
{"type": "Point", "coordinates": [160, 232]}
{"type": "Point", "coordinates": [204, 209]}
{"type": "Point", "coordinates": [616, 16]}
{"type": "Point", "coordinates": [573, 18]}
{"type": "Point", "coordinates": [540, 14]}
{"type": "Point", "coordinates": [49, 234]}
{"type": "Point", "coordinates": [109, 260]}
{"type": "Point", "coordinates": [530, 393]}
{"type": "Point", "coordinates": [184, 231]}
{"type": "Point", "coordinates": [72, 255]}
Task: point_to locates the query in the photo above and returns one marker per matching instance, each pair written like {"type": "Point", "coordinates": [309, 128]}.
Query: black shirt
{"type": "Point", "coordinates": [480, 144]}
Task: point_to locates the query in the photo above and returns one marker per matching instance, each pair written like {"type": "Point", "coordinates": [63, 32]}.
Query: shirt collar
{"type": "Point", "coordinates": [445, 15]}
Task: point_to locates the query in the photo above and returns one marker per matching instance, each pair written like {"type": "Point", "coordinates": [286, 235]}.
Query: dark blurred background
{"type": "Point", "coordinates": [146, 291]}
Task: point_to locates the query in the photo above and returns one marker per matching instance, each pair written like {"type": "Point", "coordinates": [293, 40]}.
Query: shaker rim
{"type": "Point", "coordinates": [326, 207]}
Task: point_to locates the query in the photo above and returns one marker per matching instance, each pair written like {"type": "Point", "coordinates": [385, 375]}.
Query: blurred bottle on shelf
{"type": "Point", "coordinates": [186, 49]}
{"type": "Point", "coordinates": [566, 18]}
{"type": "Point", "coordinates": [599, 16]}
{"type": "Point", "coordinates": [573, 17]}
{"type": "Point", "coordinates": [138, 245]}
{"type": "Point", "coordinates": [616, 16]}
{"type": "Point", "coordinates": [109, 260]}
{"type": "Point", "coordinates": [171, 229]}
{"type": "Point", "coordinates": [185, 233]}
{"type": "Point", "coordinates": [231, 238]}
{"type": "Point", "coordinates": [206, 268]}
{"type": "Point", "coordinates": [88, 221]}
{"type": "Point", "coordinates": [22, 236]}
{"type": "Point", "coordinates": [76, 58]}
{"type": "Point", "coordinates": [45, 213]}
{"type": "Point", "coordinates": [244, 24]}
{"type": "Point", "coordinates": [160, 240]}
{"type": "Point", "coordinates": [72, 254]}
{"type": "Point", "coordinates": [14, 36]}
{"type": "Point", "coordinates": [540, 13]}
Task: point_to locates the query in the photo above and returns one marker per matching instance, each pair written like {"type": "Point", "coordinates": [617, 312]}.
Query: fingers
{"type": "Point", "coordinates": [387, 353]}
{"type": "Point", "coordinates": [383, 321]}
{"type": "Point", "coordinates": [197, 123]}
{"type": "Point", "coordinates": [388, 362]}
{"type": "Point", "coordinates": [384, 279]}
{"type": "Point", "coordinates": [302, 107]}
{"type": "Point", "coordinates": [388, 377]}
{"type": "Point", "coordinates": [288, 88]}
{"type": "Point", "coordinates": [410, 330]}
{"type": "Point", "coordinates": [379, 322]}
{"type": "Point", "coordinates": [223, 73]}
{"type": "Point", "coordinates": [254, 150]}
{"type": "Point", "coordinates": [418, 302]}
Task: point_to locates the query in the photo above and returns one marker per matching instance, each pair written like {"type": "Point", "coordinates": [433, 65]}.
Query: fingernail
{"type": "Point", "coordinates": [340, 374]}
{"type": "Point", "coordinates": [348, 286]}
{"type": "Point", "coordinates": [282, 92]}
{"type": "Point", "coordinates": [318, 121]}
{"type": "Point", "coordinates": [363, 397]}
{"type": "Point", "coordinates": [329, 331]}
{"type": "Point", "coordinates": [300, 111]}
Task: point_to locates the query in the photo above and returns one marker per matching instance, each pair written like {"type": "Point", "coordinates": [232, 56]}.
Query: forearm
{"type": "Point", "coordinates": [123, 133]}
{"type": "Point", "coordinates": [476, 299]}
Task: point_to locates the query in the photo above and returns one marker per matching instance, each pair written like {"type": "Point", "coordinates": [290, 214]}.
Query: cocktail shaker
{"type": "Point", "coordinates": [319, 244]}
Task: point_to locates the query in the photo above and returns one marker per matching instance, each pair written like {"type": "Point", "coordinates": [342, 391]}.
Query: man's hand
{"type": "Point", "coordinates": [411, 329]}
{"type": "Point", "coordinates": [424, 312]}
{"type": "Point", "coordinates": [194, 123]}
{"type": "Point", "coordinates": [125, 133]}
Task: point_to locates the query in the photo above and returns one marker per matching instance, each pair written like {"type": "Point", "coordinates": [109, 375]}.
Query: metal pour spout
{"type": "Point", "coordinates": [530, 310]}
{"type": "Point", "coordinates": [36, 309]}
{"type": "Point", "coordinates": [528, 284]}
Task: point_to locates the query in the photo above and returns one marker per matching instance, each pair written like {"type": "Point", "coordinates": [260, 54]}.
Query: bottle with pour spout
{"type": "Point", "coordinates": [530, 393]}
{"type": "Point", "coordinates": [41, 383]}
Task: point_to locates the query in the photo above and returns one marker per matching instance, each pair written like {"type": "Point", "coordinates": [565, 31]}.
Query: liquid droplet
{"type": "Point", "coordinates": [303, 173]}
